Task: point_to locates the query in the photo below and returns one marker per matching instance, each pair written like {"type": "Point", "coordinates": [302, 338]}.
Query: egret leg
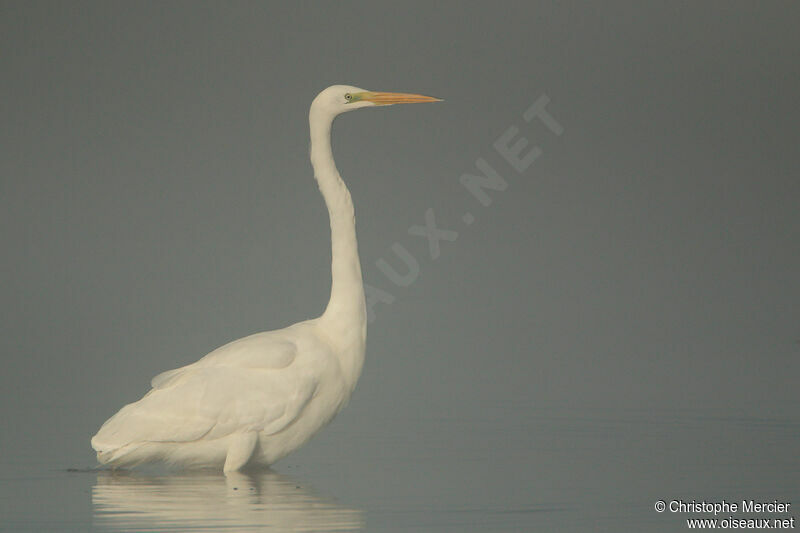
{"type": "Point", "coordinates": [240, 450]}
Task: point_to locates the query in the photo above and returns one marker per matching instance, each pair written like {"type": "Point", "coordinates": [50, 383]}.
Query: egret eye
{"type": "Point", "coordinates": [348, 97]}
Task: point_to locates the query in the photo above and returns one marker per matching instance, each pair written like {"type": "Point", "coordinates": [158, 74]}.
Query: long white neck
{"type": "Point", "coordinates": [344, 320]}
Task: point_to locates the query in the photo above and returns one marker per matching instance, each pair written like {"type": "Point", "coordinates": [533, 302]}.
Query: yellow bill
{"type": "Point", "coordinates": [378, 98]}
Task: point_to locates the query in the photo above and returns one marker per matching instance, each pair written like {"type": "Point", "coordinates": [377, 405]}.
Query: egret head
{"type": "Point", "coordinates": [338, 99]}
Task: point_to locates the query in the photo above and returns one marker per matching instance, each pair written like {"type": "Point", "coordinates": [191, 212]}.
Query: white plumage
{"type": "Point", "coordinates": [257, 399]}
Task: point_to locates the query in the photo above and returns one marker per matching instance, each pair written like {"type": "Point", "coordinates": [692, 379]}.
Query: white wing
{"type": "Point", "coordinates": [262, 350]}
{"type": "Point", "coordinates": [247, 385]}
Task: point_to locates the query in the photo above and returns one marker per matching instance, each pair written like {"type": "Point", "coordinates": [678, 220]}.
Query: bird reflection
{"type": "Point", "coordinates": [125, 501]}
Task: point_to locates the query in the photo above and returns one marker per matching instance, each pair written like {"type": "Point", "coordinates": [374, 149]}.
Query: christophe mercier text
{"type": "Point", "coordinates": [747, 506]}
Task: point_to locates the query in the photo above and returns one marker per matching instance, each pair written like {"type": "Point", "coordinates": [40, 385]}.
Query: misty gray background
{"type": "Point", "coordinates": [622, 318]}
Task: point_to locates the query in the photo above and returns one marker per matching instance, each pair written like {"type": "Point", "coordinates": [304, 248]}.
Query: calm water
{"type": "Point", "coordinates": [573, 471]}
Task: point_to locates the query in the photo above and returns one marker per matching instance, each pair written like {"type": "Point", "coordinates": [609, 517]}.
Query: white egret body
{"type": "Point", "coordinates": [257, 399]}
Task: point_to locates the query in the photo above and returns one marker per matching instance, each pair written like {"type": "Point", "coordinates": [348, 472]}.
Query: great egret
{"type": "Point", "coordinates": [259, 398]}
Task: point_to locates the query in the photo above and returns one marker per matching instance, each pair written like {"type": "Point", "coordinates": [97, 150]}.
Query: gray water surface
{"type": "Point", "coordinates": [506, 470]}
